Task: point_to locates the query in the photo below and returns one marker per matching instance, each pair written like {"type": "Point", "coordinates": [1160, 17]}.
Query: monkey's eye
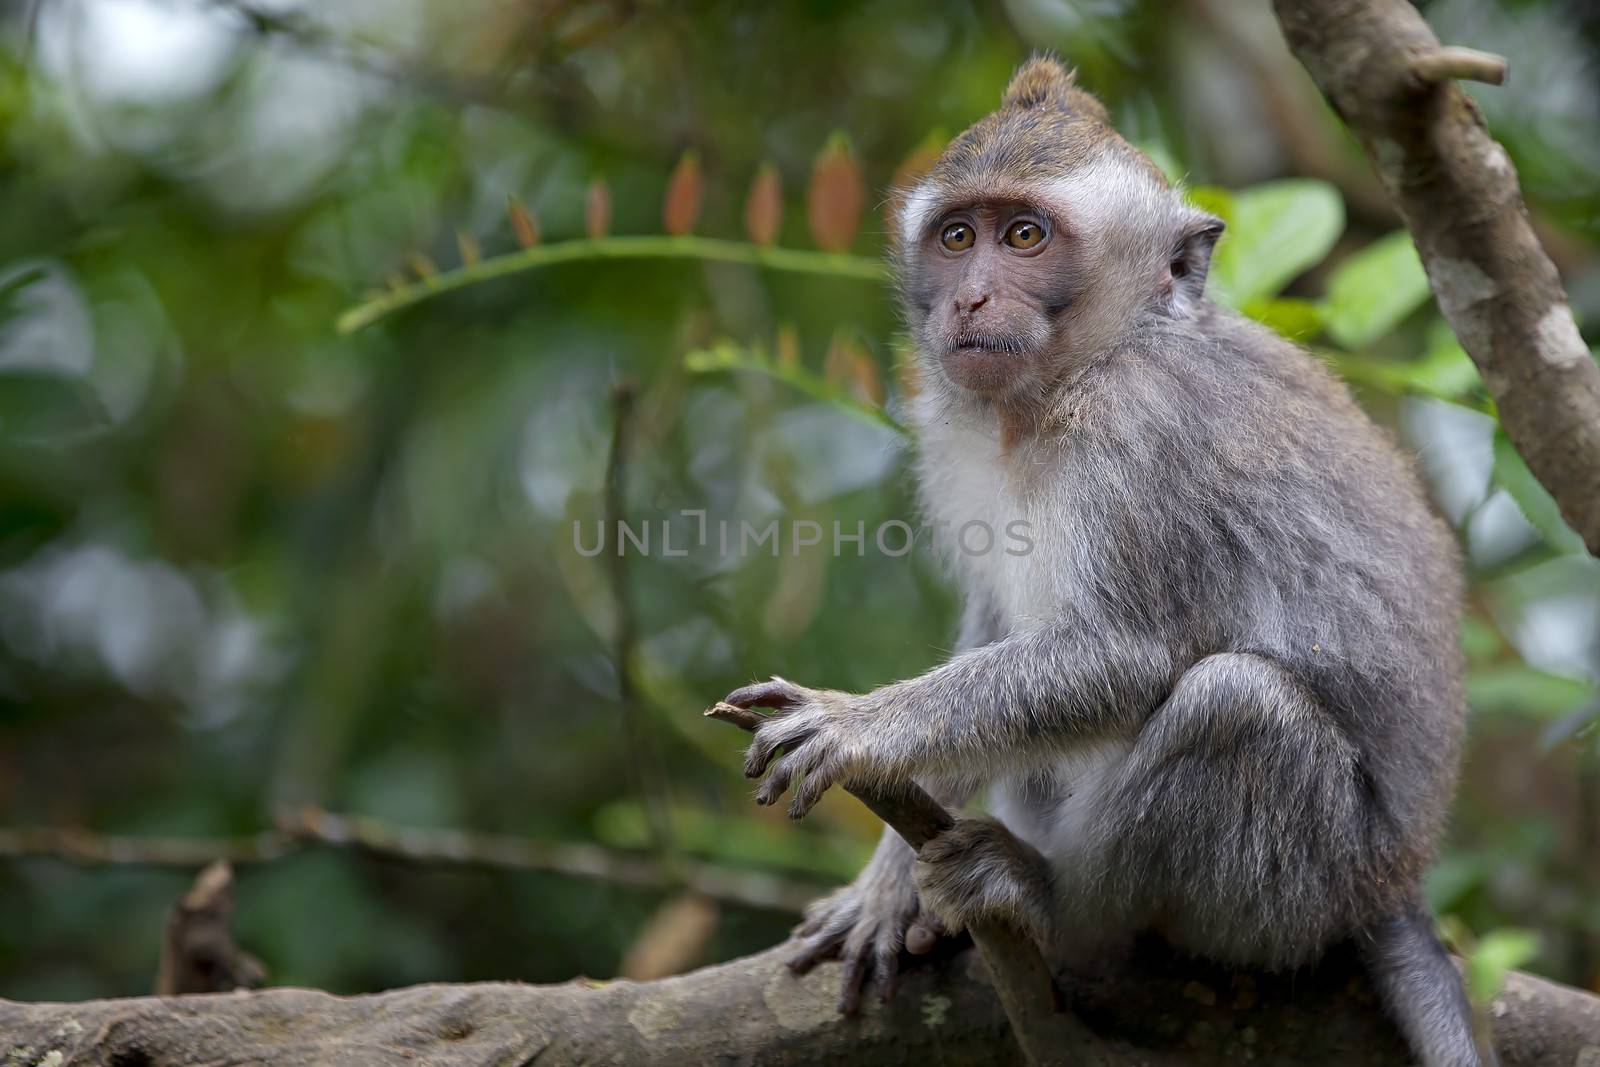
{"type": "Point", "coordinates": [958, 237]}
{"type": "Point", "coordinates": [1024, 233]}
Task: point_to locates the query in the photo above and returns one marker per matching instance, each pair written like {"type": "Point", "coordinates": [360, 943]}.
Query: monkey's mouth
{"type": "Point", "coordinates": [969, 344]}
{"type": "Point", "coordinates": [986, 363]}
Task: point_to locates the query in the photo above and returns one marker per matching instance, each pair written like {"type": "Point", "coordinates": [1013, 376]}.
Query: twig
{"type": "Point", "coordinates": [647, 775]}
{"type": "Point", "coordinates": [197, 950]}
{"type": "Point", "coordinates": [1380, 66]}
{"type": "Point", "coordinates": [313, 827]}
{"type": "Point", "coordinates": [729, 356]}
{"type": "Point", "coordinates": [1468, 64]}
{"type": "Point", "coordinates": [1045, 1029]}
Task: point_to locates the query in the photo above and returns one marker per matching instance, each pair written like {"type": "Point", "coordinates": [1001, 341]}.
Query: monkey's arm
{"type": "Point", "coordinates": [1019, 699]}
{"type": "Point", "coordinates": [867, 922]}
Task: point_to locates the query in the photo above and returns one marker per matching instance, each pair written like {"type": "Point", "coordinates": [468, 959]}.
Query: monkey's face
{"type": "Point", "coordinates": [988, 287]}
{"type": "Point", "coordinates": [1037, 239]}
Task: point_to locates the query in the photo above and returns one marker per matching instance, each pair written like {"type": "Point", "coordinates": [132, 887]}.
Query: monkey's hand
{"type": "Point", "coordinates": [979, 870]}
{"type": "Point", "coordinates": [822, 732]}
{"type": "Point", "coordinates": [865, 924]}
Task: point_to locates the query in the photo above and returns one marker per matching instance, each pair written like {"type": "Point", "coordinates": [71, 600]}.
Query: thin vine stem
{"type": "Point", "coordinates": [711, 249]}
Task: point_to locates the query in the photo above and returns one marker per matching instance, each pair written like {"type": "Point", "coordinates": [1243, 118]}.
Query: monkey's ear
{"type": "Point", "coordinates": [1191, 259]}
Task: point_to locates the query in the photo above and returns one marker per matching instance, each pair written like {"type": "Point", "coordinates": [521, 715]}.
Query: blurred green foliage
{"type": "Point", "coordinates": [248, 562]}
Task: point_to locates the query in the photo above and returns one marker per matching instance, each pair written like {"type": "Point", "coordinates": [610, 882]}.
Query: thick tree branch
{"type": "Point", "coordinates": [1161, 1013]}
{"type": "Point", "coordinates": [1387, 76]}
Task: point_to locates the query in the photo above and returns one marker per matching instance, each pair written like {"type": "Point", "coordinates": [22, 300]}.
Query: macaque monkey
{"type": "Point", "coordinates": [1221, 697]}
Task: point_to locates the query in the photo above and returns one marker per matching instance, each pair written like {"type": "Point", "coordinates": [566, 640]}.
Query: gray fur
{"type": "Point", "coordinates": [1222, 695]}
{"type": "Point", "coordinates": [1418, 981]}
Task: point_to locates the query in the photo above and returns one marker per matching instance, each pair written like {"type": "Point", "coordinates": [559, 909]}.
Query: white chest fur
{"type": "Point", "coordinates": [1006, 531]}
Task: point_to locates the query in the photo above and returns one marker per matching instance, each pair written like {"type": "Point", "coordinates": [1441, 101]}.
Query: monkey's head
{"type": "Point", "coordinates": [1038, 238]}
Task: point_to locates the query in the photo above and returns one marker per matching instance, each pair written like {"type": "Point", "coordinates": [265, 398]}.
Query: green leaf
{"type": "Point", "coordinates": [1511, 473]}
{"type": "Point", "coordinates": [730, 356]}
{"type": "Point", "coordinates": [1446, 372]}
{"type": "Point", "coordinates": [1448, 881]}
{"type": "Point", "coordinates": [1298, 320]}
{"type": "Point", "coordinates": [1159, 154]}
{"type": "Point", "coordinates": [1569, 726]}
{"type": "Point", "coordinates": [12, 288]}
{"type": "Point", "coordinates": [1517, 689]}
{"type": "Point", "coordinates": [1480, 640]}
{"type": "Point", "coordinates": [38, 407]}
{"type": "Point", "coordinates": [1275, 231]}
{"type": "Point", "coordinates": [1372, 291]}
{"type": "Point", "coordinates": [1498, 953]}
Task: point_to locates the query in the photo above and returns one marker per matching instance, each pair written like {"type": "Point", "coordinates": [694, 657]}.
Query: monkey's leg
{"type": "Point", "coordinates": [1422, 989]}
{"type": "Point", "coordinates": [1245, 827]}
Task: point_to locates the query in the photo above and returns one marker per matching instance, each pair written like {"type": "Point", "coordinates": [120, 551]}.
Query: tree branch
{"type": "Point", "coordinates": [1162, 1012]}
{"type": "Point", "coordinates": [1387, 76]}
{"type": "Point", "coordinates": [312, 826]}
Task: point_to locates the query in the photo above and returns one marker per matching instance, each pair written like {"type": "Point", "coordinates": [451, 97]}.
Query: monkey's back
{"type": "Point", "coordinates": [1290, 525]}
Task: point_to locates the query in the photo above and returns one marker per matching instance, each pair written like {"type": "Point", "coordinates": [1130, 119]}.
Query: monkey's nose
{"type": "Point", "coordinates": [968, 304]}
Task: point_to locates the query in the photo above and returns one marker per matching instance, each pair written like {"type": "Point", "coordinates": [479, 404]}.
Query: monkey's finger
{"type": "Point", "coordinates": [796, 763]}
{"type": "Point", "coordinates": [777, 693]}
{"type": "Point", "coordinates": [923, 935]}
{"type": "Point", "coordinates": [808, 792]}
{"type": "Point", "coordinates": [816, 948]}
{"type": "Point", "coordinates": [760, 753]}
{"type": "Point", "coordinates": [855, 974]}
{"type": "Point", "coordinates": [816, 917]}
{"type": "Point", "coordinates": [778, 779]}
{"type": "Point", "coordinates": [886, 960]}
{"type": "Point", "coordinates": [838, 909]}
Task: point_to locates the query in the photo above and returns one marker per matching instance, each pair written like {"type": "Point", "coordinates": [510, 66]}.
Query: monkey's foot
{"type": "Point", "coordinates": [979, 870]}
{"type": "Point", "coordinates": [865, 925]}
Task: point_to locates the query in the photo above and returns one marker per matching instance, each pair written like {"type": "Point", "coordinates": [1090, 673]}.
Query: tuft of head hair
{"type": "Point", "coordinates": [1042, 82]}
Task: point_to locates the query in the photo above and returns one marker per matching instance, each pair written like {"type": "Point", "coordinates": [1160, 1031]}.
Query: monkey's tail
{"type": "Point", "coordinates": [1422, 990]}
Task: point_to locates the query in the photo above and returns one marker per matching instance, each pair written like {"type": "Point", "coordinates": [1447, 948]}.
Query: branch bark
{"type": "Point", "coordinates": [1160, 1012]}
{"type": "Point", "coordinates": [1388, 77]}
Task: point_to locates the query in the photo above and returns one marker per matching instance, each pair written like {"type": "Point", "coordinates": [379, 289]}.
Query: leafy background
{"type": "Point", "coordinates": [250, 563]}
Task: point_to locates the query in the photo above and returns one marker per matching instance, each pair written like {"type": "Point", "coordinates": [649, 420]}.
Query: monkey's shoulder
{"type": "Point", "coordinates": [1241, 430]}
{"type": "Point", "coordinates": [1222, 387]}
